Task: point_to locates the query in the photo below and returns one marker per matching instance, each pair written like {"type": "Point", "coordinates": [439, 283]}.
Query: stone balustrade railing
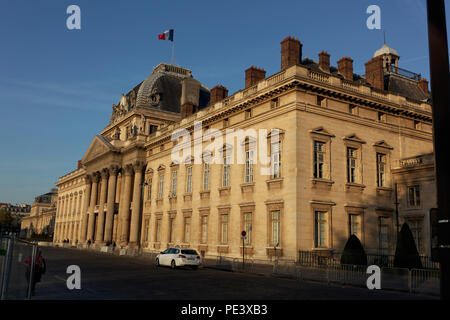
{"type": "Point", "coordinates": [295, 71]}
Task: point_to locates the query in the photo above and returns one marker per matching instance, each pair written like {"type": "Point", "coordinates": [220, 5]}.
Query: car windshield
{"type": "Point", "coordinates": [189, 252]}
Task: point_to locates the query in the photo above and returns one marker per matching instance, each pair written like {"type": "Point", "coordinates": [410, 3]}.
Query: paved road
{"type": "Point", "coordinates": [119, 277]}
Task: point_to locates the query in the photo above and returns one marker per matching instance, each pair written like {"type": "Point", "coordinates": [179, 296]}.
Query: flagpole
{"type": "Point", "coordinates": [172, 60]}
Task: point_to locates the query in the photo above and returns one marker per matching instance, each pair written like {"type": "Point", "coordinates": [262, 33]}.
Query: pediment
{"type": "Point", "coordinates": [322, 131]}
{"type": "Point", "coordinates": [382, 144]}
{"type": "Point", "coordinates": [354, 138]}
{"type": "Point", "coordinates": [98, 147]}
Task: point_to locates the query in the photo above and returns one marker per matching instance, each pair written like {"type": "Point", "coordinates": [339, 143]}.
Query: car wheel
{"type": "Point", "coordinates": [157, 262]}
{"type": "Point", "coordinates": [173, 264]}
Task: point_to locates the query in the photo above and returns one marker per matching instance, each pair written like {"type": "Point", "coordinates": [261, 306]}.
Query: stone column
{"type": "Point", "coordinates": [93, 202]}
{"type": "Point", "coordinates": [110, 203]}
{"type": "Point", "coordinates": [101, 212]}
{"type": "Point", "coordinates": [136, 211]}
{"type": "Point", "coordinates": [125, 215]}
{"type": "Point", "coordinates": [87, 194]}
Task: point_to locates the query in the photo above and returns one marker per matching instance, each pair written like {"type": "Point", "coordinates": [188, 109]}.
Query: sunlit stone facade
{"type": "Point", "coordinates": [341, 136]}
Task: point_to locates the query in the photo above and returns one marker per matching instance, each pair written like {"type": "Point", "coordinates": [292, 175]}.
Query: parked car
{"type": "Point", "coordinates": [177, 257]}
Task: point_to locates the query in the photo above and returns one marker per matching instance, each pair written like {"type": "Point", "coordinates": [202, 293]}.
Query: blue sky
{"type": "Point", "coordinates": [57, 86]}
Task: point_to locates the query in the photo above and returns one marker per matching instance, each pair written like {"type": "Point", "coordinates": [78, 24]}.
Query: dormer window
{"type": "Point", "coordinates": [381, 117]}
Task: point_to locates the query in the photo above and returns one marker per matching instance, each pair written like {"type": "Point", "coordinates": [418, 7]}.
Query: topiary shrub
{"type": "Point", "coordinates": [406, 254]}
{"type": "Point", "coordinates": [354, 252]}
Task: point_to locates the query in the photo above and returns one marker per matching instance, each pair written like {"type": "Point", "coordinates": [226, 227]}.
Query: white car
{"type": "Point", "coordinates": [177, 257]}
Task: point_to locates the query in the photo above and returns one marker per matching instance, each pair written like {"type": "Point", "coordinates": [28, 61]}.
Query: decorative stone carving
{"type": "Point", "coordinates": [155, 97]}
{"type": "Point", "coordinates": [96, 177]}
{"type": "Point", "coordinates": [141, 125]}
{"type": "Point", "coordinates": [138, 165]}
{"type": "Point", "coordinates": [113, 170]}
{"type": "Point", "coordinates": [116, 134]}
{"type": "Point", "coordinates": [127, 170]}
{"type": "Point", "coordinates": [104, 173]}
{"type": "Point", "coordinates": [132, 99]}
{"type": "Point", "coordinates": [87, 179]}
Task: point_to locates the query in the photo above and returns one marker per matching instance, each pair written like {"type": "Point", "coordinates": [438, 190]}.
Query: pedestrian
{"type": "Point", "coordinates": [40, 267]}
{"type": "Point", "coordinates": [89, 243]}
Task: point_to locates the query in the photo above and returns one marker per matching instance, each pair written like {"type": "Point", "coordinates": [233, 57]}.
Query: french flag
{"type": "Point", "coordinates": [166, 35]}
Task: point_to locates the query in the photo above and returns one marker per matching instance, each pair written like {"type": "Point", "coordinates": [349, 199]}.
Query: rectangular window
{"type": "Point", "coordinates": [248, 113]}
{"type": "Point", "coordinates": [158, 230]}
{"type": "Point", "coordinates": [171, 229]}
{"type": "Point", "coordinates": [320, 101]}
{"type": "Point", "coordinates": [381, 170]}
{"type": "Point", "coordinates": [226, 122]}
{"type": "Point", "coordinates": [224, 229]}
{"type": "Point", "coordinates": [275, 151]}
{"type": "Point", "coordinates": [206, 176]}
{"type": "Point", "coordinates": [352, 109]}
{"type": "Point", "coordinates": [416, 230]}
{"type": "Point", "coordinates": [226, 172]}
{"type": "Point", "coordinates": [276, 235]}
{"type": "Point", "coordinates": [189, 180]}
{"type": "Point", "coordinates": [174, 183]}
{"type": "Point", "coordinates": [383, 230]}
{"type": "Point", "coordinates": [354, 225]}
{"type": "Point", "coordinates": [149, 189]}
{"type": "Point", "coordinates": [152, 129]}
{"type": "Point", "coordinates": [249, 166]}
{"type": "Point", "coordinates": [204, 229]}
{"type": "Point", "coordinates": [248, 228]}
{"type": "Point", "coordinates": [351, 165]}
{"type": "Point", "coordinates": [274, 103]}
{"type": "Point", "coordinates": [321, 229]}
{"type": "Point", "coordinates": [417, 125]}
{"type": "Point", "coordinates": [187, 229]}
{"type": "Point", "coordinates": [381, 117]}
{"type": "Point", "coordinates": [319, 159]}
{"type": "Point", "coordinates": [161, 186]}
{"type": "Point", "coordinates": [414, 196]}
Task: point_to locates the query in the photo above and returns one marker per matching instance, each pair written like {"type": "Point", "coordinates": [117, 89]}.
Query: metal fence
{"type": "Point", "coordinates": [329, 270]}
{"type": "Point", "coordinates": [313, 259]}
{"type": "Point", "coordinates": [17, 265]}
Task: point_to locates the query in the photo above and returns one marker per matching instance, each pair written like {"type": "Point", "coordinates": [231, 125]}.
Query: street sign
{"type": "Point", "coordinates": [243, 233]}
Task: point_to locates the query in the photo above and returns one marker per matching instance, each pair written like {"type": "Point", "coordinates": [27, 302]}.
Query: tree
{"type": "Point", "coordinates": [354, 252]}
{"type": "Point", "coordinates": [406, 254]}
{"type": "Point", "coordinates": [6, 219]}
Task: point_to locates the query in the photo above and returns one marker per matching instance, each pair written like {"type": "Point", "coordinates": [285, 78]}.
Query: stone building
{"type": "Point", "coordinates": [71, 194]}
{"type": "Point", "coordinates": [416, 189]}
{"type": "Point", "coordinates": [339, 137]}
{"type": "Point", "coordinates": [42, 215]}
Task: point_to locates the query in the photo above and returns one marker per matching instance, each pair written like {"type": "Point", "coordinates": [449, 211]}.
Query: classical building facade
{"type": "Point", "coordinates": [71, 195]}
{"type": "Point", "coordinates": [416, 195]}
{"type": "Point", "coordinates": [339, 138]}
{"type": "Point", "coordinates": [42, 215]}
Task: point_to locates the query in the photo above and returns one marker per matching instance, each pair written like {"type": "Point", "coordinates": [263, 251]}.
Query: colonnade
{"type": "Point", "coordinates": [101, 189]}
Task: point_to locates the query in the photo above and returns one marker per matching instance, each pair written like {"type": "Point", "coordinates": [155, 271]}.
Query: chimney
{"type": "Point", "coordinates": [324, 61]}
{"type": "Point", "coordinates": [345, 68]}
{"type": "Point", "coordinates": [423, 84]}
{"type": "Point", "coordinates": [218, 93]}
{"type": "Point", "coordinates": [253, 75]}
{"type": "Point", "coordinates": [291, 52]}
{"type": "Point", "coordinates": [79, 165]}
{"type": "Point", "coordinates": [375, 73]}
{"type": "Point", "coordinates": [187, 109]}
{"type": "Point", "coordinates": [190, 93]}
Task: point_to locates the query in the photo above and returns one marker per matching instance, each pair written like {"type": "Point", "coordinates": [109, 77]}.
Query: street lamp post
{"type": "Point", "coordinates": [440, 85]}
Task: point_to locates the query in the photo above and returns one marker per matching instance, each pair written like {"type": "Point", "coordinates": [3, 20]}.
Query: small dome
{"type": "Point", "coordinates": [385, 50]}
